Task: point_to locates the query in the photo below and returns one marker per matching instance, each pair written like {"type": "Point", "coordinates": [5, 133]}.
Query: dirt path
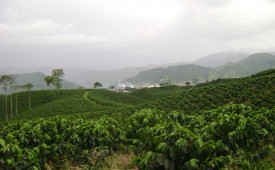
{"type": "Point", "coordinates": [87, 98]}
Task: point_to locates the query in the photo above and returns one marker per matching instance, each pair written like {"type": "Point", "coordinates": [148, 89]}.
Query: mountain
{"type": "Point", "coordinates": [175, 74]}
{"type": "Point", "coordinates": [250, 65]}
{"type": "Point", "coordinates": [87, 78]}
{"type": "Point", "coordinates": [219, 59]}
{"type": "Point", "coordinates": [213, 60]}
{"type": "Point", "coordinates": [107, 78]}
{"type": "Point", "coordinates": [183, 73]}
{"type": "Point", "coordinates": [37, 79]}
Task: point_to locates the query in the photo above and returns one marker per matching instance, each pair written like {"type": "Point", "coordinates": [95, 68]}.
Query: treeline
{"type": "Point", "coordinates": [7, 82]}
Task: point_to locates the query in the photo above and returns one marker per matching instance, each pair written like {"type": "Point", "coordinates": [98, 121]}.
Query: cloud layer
{"type": "Point", "coordinates": [110, 34]}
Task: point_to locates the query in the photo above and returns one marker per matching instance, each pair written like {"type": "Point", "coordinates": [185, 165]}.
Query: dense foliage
{"type": "Point", "coordinates": [258, 91]}
{"type": "Point", "coordinates": [166, 128]}
{"type": "Point", "coordinates": [233, 135]}
{"type": "Point", "coordinates": [32, 144]}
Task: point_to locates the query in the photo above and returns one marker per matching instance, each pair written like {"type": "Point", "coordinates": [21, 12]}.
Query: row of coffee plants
{"type": "Point", "coordinates": [33, 144]}
{"type": "Point", "coordinates": [231, 136]}
{"type": "Point", "coordinates": [258, 91]}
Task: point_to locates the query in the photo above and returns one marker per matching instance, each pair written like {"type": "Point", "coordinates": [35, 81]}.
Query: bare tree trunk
{"type": "Point", "coordinates": [30, 101]}
{"type": "Point", "coordinates": [7, 117]}
{"type": "Point", "coordinates": [16, 104]}
{"type": "Point", "coordinates": [11, 106]}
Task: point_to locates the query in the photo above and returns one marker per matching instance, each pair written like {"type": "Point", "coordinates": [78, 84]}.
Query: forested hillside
{"type": "Point", "coordinates": [219, 59]}
{"type": "Point", "coordinates": [189, 73]}
{"type": "Point", "coordinates": [227, 123]}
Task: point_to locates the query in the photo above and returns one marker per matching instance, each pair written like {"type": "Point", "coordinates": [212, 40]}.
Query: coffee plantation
{"type": "Point", "coordinates": [228, 123]}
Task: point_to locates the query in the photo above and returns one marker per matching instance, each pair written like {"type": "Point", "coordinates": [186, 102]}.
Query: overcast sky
{"type": "Point", "coordinates": [109, 34]}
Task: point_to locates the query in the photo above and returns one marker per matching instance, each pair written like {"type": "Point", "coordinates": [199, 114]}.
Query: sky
{"type": "Point", "coordinates": [108, 34]}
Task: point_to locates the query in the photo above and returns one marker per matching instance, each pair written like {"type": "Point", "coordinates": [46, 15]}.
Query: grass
{"type": "Point", "coordinates": [119, 160]}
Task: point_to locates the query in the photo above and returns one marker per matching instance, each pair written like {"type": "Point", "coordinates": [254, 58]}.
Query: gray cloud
{"type": "Point", "coordinates": [113, 34]}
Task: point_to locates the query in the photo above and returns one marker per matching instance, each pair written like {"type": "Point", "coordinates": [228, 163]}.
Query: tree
{"type": "Point", "coordinates": [97, 85]}
{"type": "Point", "coordinates": [55, 79]}
{"type": "Point", "coordinates": [49, 80]}
{"type": "Point", "coordinates": [219, 79]}
{"type": "Point", "coordinates": [16, 88]}
{"type": "Point", "coordinates": [5, 81]}
{"type": "Point", "coordinates": [28, 87]}
{"type": "Point", "coordinates": [187, 83]}
{"type": "Point", "coordinates": [11, 83]}
{"type": "Point", "coordinates": [80, 87]}
{"type": "Point", "coordinates": [164, 84]}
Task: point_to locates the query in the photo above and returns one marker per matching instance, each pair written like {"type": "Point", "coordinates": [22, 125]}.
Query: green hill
{"type": "Point", "coordinates": [91, 103]}
{"type": "Point", "coordinates": [177, 74]}
{"type": "Point", "coordinates": [257, 91]}
{"type": "Point", "coordinates": [194, 127]}
{"type": "Point", "coordinates": [219, 59]}
{"type": "Point", "coordinates": [183, 73]}
{"type": "Point", "coordinates": [45, 103]}
{"type": "Point", "coordinates": [250, 65]}
{"type": "Point", "coordinates": [156, 93]}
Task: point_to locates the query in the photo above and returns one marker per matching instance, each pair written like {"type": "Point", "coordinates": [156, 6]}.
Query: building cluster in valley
{"type": "Point", "coordinates": [126, 87]}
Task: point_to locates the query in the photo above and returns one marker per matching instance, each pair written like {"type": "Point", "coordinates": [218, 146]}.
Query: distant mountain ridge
{"type": "Point", "coordinates": [219, 59]}
{"type": "Point", "coordinates": [183, 73]}
{"type": "Point", "coordinates": [37, 79]}
{"type": "Point", "coordinates": [86, 77]}
{"type": "Point", "coordinates": [110, 77]}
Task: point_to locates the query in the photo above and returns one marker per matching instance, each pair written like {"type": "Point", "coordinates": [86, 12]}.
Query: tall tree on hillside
{"type": "Point", "coordinates": [57, 82]}
{"type": "Point", "coordinates": [187, 83]}
{"type": "Point", "coordinates": [80, 87]}
{"type": "Point", "coordinates": [28, 87]}
{"type": "Point", "coordinates": [49, 80]}
{"type": "Point", "coordinates": [97, 85]}
{"type": "Point", "coordinates": [11, 84]}
{"type": "Point", "coordinates": [4, 82]}
{"type": "Point", "coordinates": [55, 79]}
{"type": "Point", "coordinates": [16, 89]}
